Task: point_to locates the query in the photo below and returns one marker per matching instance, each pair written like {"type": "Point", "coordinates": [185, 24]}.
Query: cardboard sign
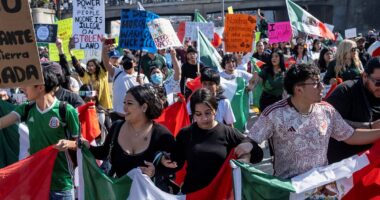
{"type": "Point", "coordinates": [65, 30]}
{"type": "Point", "coordinates": [279, 32]}
{"type": "Point", "coordinates": [88, 24]}
{"type": "Point", "coordinates": [191, 30]}
{"type": "Point", "coordinates": [46, 33]}
{"type": "Point", "coordinates": [134, 33]}
{"type": "Point", "coordinates": [163, 34]}
{"type": "Point", "coordinates": [19, 59]}
{"type": "Point", "coordinates": [238, 32]}
{"type": "Point", "coordinates": [350, 33]}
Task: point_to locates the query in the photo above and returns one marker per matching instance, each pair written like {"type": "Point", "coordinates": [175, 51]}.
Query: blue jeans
{"type": "Point", "coordinates": [62, 195]}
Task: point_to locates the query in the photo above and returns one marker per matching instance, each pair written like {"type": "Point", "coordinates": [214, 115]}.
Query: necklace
{"type": "Point", "coordinates": [140, 132]}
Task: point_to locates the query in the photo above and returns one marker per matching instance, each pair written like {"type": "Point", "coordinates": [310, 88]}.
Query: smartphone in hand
{"type": "Point", "coordinates": [110, 41]}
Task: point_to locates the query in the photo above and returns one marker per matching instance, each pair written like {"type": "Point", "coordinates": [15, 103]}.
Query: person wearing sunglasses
{"type": "Point", "coordinates": [346, 66]}
{"type": "Point", "coordinates": [358, 102]}
{"type": "Point", "coordinates": [302, 125]}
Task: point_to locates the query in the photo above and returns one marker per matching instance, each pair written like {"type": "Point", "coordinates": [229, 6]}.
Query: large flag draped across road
{"type": "Point", "coordinates": [94, 184]}
{"type": "Point", "coordinates": [357, 177]}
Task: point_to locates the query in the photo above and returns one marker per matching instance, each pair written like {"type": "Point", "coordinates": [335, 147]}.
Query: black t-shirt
{"type": "Point", "coordinates": [122, 163]}
{"type": "Point", "coordinates": [355, 103]}
{"type": "Point", "coordinates": [205, 152]}
{"type": "Point", "coordinates": [72, 98]}
{"type": "Point", "coordinates": [189, 71]}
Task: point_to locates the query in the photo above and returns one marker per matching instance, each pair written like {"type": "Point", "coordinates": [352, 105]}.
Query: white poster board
{"type": "Point", "coordinates": [350, 33]}
{"type": "Point", "coordinates": [88, 24]}
{"type": "Point", "coordinates": [163, 34]}
{"type": "Point", "coordinates": [191, 30]}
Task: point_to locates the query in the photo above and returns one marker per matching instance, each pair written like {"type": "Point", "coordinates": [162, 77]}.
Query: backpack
{"type": "Point", "coordinates": [62, 115]}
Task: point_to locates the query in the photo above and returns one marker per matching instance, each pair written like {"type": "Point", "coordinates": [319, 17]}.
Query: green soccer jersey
{"type": "Point", "coordinates": [45, 129]}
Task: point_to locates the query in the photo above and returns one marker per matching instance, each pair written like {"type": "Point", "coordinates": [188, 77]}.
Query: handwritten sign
{"type": "Point", "coordinates": [19, 59]}
{"type": "Point", "coordinates": [191, 32]}
{"type": "Point", "coordinates": [88, 23]}
{"type": "Point", "coordinates": [163, 34]}
{"type": "Point", "coordinates": [350, 33]}
{"type": "Point", "coordinates": [238, 32]}
{"type": "Point", "coordinates": [65, 30]}
{"type": "Point", "coordinates": [279, 32]}
{"type": "Point", "coordinates": [134, 33]}
{"type": "Point", "coordinates": [46, 33]}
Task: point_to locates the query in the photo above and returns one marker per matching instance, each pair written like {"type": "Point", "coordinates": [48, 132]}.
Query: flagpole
{"type": "Point", "coordinates": [223, 12]}
{"type": "Point", "coordinates": [199, 50]}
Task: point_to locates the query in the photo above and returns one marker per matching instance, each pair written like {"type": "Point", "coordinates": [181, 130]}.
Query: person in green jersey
{"type": "Point", "coordinates": [45, 128]}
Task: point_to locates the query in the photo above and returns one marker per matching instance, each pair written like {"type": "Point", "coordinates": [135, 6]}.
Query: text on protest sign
{"type": "Point", "coordinates": [279, 32]}
{"type": "Point", "coordinates": [46, 33]}
{"type": "Point", "coordinates": [238, 32]}
{"type": "Point", "coordinates": [134, 33]}
{"type": "Point", "coordinates": [89, 23]}
{"type": "Point", "coordinates": [163, 34]}
{"type": "Point", "coordinates": [65, 30]}
{"type": "Point", "coordinates": [191, 32]}
{"type": "Point", "coordinates": [19, 59]}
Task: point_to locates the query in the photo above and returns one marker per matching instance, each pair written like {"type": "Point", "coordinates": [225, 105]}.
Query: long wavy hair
{"type": "Point", "coordinates": [344, 49]}
{"type": "Point", "coordinates": [97, 67]}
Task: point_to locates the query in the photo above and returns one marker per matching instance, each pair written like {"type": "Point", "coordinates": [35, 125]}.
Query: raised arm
{"type": "Point", "coordinates": [363, 136]}
{"type": "Point", "coordinates": [106, 59]}
{"type": "Point", "coordinates": [176, 65]}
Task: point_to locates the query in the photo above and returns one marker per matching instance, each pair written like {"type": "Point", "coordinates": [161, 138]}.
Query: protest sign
{"type": "Point", "coordinates": [350, 33]}
{"type": "Point", "coordinates": [19, 59]}
{"type": "Point", "coordinates": [279, 32]}
{"type": "Point", "coordinates": [163, 34]}
{"type": "Point", "coordinates": [88, 24]}
{"type": "Point", "coordinates": [238, 32]}
{"type": "Point", "coordinates": [46, 33]}
{"type": "Point", "coordinates": [134, 33]}
{"type": "Point", "coordinates": [191, 32]}
{"type": "Point", "coordinates": [65, 30]}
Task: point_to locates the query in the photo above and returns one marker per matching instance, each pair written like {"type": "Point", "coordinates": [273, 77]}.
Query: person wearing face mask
{"type": "Point", "coordinates": [169, 82]}
{"type": "Point", "coordinates": [123, 79]}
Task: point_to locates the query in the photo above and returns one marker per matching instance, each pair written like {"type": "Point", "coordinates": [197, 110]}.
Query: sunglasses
{"type": "Point", "coordinates": [354, 49]}
{"type": "Point", "coordinates": [376, 82]}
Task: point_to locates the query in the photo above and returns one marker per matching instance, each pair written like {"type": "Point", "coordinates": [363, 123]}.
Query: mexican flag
{"type": "Point", "coordinates": [357, 177]}
{"type": "Point", "coordinates": [234, 90]}
{"type": "Point", "coordinates": [303, 21]}
{"type": "Point", "coordinates": [207, 53]}
{"type": "Point", "coordinates": [29, 178]}
{"type": "Point", "coordinates": [217, 41]}
{"type": "Point", "coordinates": [14, 140]}
{"type": "Point", "coordinates": [94, 184]}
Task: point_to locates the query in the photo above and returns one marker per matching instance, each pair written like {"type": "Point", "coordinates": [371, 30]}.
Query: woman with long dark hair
{"type": "Point", "coordinates": [96, 75]}
{"type": "Point", "coordinates": [272, 78]}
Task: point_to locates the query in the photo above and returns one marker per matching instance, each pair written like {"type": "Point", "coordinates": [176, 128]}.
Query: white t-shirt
{"type": "Point", "coordinates": [237, 73]}
{"type": "Point", "coordinates": [224, 113]}
{"type": "Point", "coordinates": [121, 85]}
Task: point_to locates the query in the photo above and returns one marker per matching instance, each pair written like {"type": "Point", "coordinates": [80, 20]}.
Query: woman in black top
{"type": "Point", "coordinates": [138, 139]}
{"type": "Point", "coordinates": [206, 144]}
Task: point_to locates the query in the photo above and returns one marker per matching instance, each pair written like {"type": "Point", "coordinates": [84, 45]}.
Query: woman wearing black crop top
{"type": "Point", "coordinates": [138, 139]}
{"type": "Point", "coordinates": [206, 144]}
